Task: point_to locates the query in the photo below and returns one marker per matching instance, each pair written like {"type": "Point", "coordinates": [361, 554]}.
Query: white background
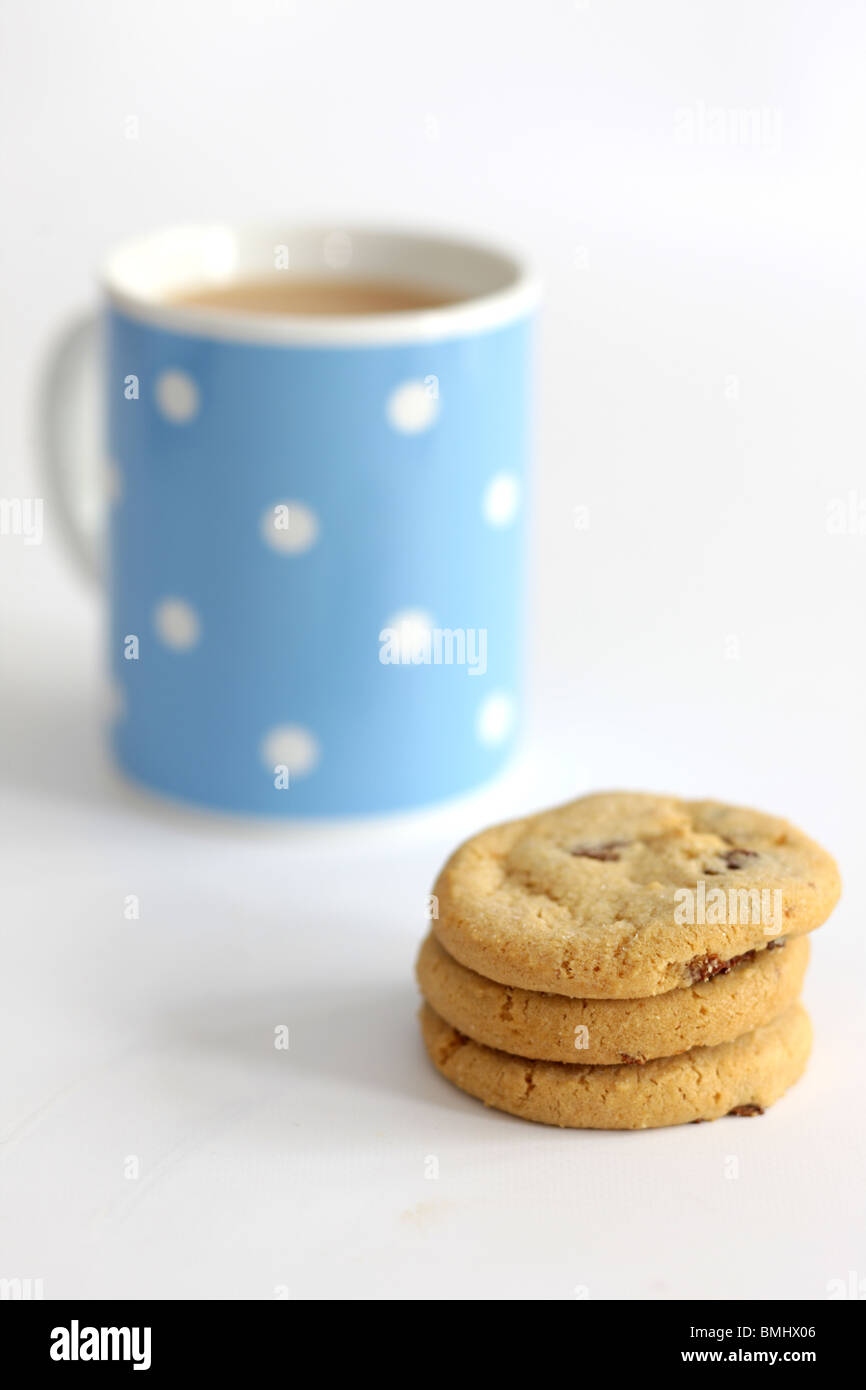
{"type": "Point", "coordinates": [701, 395]}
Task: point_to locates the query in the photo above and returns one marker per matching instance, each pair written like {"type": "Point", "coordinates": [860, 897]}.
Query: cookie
{"type": "Point", "coordinates": [742, 1077]}
{"type": "Point", "coordinates": [555, 1028]}
{"type": "Point", "coordinates": [621, 895]}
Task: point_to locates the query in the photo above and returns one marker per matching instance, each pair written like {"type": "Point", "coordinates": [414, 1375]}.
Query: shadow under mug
{"type": "Point", "coordinates": [315, 541]}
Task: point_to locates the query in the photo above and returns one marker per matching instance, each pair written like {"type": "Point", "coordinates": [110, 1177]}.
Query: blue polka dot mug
{"type": "Point", "coordinates": [314, 551]}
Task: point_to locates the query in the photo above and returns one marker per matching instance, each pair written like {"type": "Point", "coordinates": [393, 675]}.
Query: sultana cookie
{"type": "Point", "coordinates": [752, 991]}
{"type": "Point", "coordinates": [742, 1077]}
{"type": "Point", "coordinates": [625, 894]}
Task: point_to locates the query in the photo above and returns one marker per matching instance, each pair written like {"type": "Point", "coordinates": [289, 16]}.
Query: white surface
{"type": "Point", "coordinates": [701, 398]}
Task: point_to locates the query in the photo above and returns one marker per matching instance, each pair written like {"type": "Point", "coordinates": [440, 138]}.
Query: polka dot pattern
{"type": "Point", "coordinates": [411, 631]}
{"type": "Point", "coordinates": [501, 500]}
{"type": "Point", "coordinates": [413, 407]}
{"type": "Point", "coordinates": [292, 747]}
{"type": "Point", "coordinates": [495, 719]}
{"type": "Point", "coordinates": [177, 624]}
{"type": "Point", "coordinates": [290, 527]}
{"type": "Point", "coordinates": [177, 397]}
{"type": "Point", "coordinates": [275, 511]}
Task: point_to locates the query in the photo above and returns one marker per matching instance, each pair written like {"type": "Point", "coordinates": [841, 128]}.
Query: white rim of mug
{"type": "Point", "coordinates": [131, 288]}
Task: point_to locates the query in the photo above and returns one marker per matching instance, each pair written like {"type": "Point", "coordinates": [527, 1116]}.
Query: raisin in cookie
{"type": "Point", "coordinates": [748, 992]}
{"type": "Point", "coordinates": [626, 894]}
{"type": "Point", "coordinates": [742, 1077]}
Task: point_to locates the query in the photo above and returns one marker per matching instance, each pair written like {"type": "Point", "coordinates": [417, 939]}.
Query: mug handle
{"type": "Point", "coordinates": [73, 455]}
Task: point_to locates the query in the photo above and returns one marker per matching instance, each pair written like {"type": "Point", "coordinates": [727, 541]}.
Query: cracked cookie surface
{"type": "Point", "coordinates": [742, 1077]}
{"type": "Point", "coordinates": [556, 1028]}
{"type": "Point", "coordinates": [628, 894]}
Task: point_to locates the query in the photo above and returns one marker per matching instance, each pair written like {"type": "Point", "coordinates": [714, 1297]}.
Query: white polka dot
{"type": "Point", "coordinates": [409, 634]}
{"type": "Point", "coordinates": [177, 624]}
{"type": "Point", "coordinates": [413, 407]}
{"type": "Point", "coordinates": [290, 527]}
{"type": "Point", "coordinates": [501, 500]}
{"type": "Point", "coordinates": [495, 719]}
{"type": "Point", "coordinates": [177, 396]}
{"type": "Point", "coordinates": [291, 747]}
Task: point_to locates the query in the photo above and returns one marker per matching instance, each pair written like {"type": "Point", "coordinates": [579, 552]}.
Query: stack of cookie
{"type": "Point", "coordinates": [626, 961]}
